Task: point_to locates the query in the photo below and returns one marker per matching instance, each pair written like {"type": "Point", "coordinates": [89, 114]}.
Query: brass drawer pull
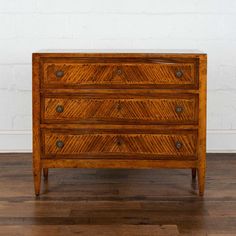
{"type": "Point", "coordinates": [59, 109]}
{"type": "Point", "coordinates": [179, 74]}
{"type": "Point", "coordinates": [178, 145]}
{"type": "Point", "coordinates": [119, 72]}
{"type": "Point", "coordinates": [179, 109]}
{"type": "Point", "coordinates": [59, 74]}
{"type": "Point", "coordinates": [59, 144]}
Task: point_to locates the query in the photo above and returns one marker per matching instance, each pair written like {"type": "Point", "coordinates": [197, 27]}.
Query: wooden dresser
{"type": "Point", "coordinates": [143, 109]}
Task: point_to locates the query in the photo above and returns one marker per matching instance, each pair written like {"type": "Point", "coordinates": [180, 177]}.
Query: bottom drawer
{"type": "Point", "coordinates": [110, 144]}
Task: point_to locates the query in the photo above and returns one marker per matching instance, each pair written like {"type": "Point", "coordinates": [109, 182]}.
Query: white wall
{"type": "Point", "coordinates": [30, 25]}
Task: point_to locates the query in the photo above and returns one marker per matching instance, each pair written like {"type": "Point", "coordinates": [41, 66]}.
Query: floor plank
{"type": "Point", "coordinates": [85, 230]}
{"type": "Point", "coordinates": [117, 202]}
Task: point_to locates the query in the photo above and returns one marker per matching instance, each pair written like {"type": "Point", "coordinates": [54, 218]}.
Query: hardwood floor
{"type": "Point", "coordinates": [117, 202]}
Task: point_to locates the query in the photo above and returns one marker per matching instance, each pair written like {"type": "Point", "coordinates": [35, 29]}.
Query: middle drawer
{"type": "Point", "coordinates": [164, 108]}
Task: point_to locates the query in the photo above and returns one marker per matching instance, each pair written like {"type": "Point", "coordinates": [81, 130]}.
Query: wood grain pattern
{"type": "Point", "coordinates": [107, 74]}
{"type": "Point", "coordinates": [119, 110]}
{"type": "Point", "coordinates": [88, 230]}
{"type": "Point", "coordinates": [157, 110]}
{"type": "Point", "coordinates": [202, 125]}
{"type": "Point", "coordinates": [36, 123]}
{"type": "Point", "coordinates": [156, 144]}
{"type": "Point", "coordinates": [150, 128]}
{"type": "Point", "coordinates": [112, 163]}
{"type": "Point", "coordinates": [93, 201]}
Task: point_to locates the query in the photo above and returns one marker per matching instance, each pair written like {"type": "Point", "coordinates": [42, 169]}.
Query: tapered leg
{"type": "Point", "coordinates": [37, 180]}
{"type": "Point", "coordinates": [194, 173]}
{"type": "Point", "coordinates": [201, 180]}
{"type": "Point", "coordinates": [45, 173]}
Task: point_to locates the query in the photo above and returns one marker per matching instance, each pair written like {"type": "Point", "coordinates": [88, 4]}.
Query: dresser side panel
{"type": "Point", "coordinates": [202, 123]}
{"type": "Point", "coordinates": [36, 122]}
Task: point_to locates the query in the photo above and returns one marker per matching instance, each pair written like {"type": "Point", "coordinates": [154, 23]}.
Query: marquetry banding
{"type": "Point", "coordinates": [158, 144]}
{"type": "Point", "coordinates": [159, 110]}
{"type": "Point", "coordinates": [125, 74]}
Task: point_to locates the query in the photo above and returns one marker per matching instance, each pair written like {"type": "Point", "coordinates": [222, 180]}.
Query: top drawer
{"type": "Point", "coordinates": [120, 75]}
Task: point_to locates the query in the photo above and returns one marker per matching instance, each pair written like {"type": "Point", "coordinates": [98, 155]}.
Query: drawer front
{"type": "Point", "coordinates": [161, 75]}
{"type": "Point", "coordinates": [162, 109]}
{"type": "Point", "coordinates": [182, 145]}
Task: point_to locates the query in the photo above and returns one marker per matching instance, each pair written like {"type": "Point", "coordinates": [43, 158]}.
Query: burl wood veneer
{"type": "Point", "coordinates": [143, 109]}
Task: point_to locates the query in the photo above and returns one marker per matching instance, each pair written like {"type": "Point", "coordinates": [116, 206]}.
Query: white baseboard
{"type": "Point", "coordinates": [218, 141]}
{"type": "Point", "coordinates": [221, 141]}
{"type": "Point", "coordinates": [15, 141]}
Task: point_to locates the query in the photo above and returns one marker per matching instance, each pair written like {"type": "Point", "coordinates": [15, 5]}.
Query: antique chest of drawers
{"type": "Point", "coordinates": [142, 109]}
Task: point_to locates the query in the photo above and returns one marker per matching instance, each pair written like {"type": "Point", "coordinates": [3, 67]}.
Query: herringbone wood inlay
{"type": "Point", "coordinates": [108, 74]}
{"type": "Point", "coordinates": [157, 144]}
{"type": "Point", "coordinates": [159, 109]}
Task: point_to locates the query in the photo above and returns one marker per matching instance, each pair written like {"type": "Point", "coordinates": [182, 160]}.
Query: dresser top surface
{"type": "Point", "coordinates": [122, 51]}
